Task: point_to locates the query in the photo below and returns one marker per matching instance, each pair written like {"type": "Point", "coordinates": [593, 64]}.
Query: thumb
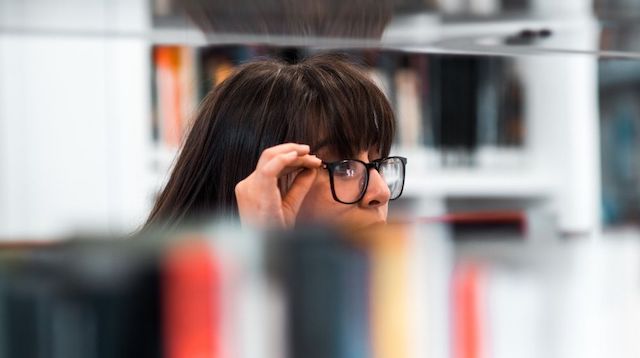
{"type": "Point", "coordinates": [299, 189]}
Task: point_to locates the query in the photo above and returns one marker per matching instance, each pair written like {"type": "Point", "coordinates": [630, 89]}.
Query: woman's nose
{"type": "Point", "coordinates": [377, 191]}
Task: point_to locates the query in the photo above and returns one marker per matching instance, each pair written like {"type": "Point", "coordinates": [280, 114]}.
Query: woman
{"type": "Point", "coordinates": [277, 143]}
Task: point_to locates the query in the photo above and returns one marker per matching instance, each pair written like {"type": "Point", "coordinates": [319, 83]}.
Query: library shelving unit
{"type": "Point", "coordinates": [546, 170]}
{"type": "Point", "coordinates": [95, 64]}
{"type": "Point", "coordinates": [82, 143]}
{"type": "Point", "coordinates": [218, 291]}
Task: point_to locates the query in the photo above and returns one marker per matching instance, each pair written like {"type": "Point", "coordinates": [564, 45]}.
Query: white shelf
{"type": "Point", "coordinates": [477, 183]}
{"type": "Point", "coordinates": [496, 172]}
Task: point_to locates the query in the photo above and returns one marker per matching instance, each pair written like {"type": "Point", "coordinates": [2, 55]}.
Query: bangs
{"type": "Point", "coordinates": [346, 112]}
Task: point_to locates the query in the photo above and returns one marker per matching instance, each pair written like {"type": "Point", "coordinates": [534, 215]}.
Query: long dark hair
{"type": "Point", "coordinates": [324, 98]}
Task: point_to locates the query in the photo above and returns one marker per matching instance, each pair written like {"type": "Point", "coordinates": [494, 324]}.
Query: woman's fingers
{"type": "Point", "coordinates": [270, 153]}
{"type": "Point", "coordinates": [260, 201]}
{"type": "Point", "coordinates": [276, 166]}
{"type": "Point", "coordinates": [299, 189]}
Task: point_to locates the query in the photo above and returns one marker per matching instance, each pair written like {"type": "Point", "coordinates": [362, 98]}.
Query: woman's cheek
{"type": "Point", "coordinates": [320, 205]}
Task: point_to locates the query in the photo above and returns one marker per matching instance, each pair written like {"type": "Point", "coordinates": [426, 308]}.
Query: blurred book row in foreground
{"type": "Point", "coordinates": [400, 291]}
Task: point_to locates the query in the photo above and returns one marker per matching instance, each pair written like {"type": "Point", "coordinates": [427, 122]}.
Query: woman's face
{"type": "Point", "coordinates": [319, 204]}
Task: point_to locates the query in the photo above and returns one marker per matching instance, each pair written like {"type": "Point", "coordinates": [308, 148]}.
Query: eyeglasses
{"type": "Point", "coordinates": [350, 177]}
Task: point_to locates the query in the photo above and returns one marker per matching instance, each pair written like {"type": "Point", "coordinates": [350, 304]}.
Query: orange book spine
{"type": "Point", "coordinates": [169, 95]}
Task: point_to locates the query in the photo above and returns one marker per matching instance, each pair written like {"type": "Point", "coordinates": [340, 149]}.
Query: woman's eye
{"type": "Point", "coordinates": [346, 170]}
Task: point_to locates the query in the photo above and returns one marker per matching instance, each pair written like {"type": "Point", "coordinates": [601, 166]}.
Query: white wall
{"type": "Point", "coordinates": [74, 116]}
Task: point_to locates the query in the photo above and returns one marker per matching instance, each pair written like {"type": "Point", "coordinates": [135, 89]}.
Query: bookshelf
{"type": "Point", "coordinates": [520, 298]}
{"type": "Point", "coordinates": [525, 164]}
{"type": "Point", "coordinates": [128, 167]}
{"type": "Point", "coordinates": [397, 292]}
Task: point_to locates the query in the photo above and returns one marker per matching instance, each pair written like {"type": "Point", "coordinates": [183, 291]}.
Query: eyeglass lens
{"type": "Point", "coordinates": [392, 171]}
{"type": "Point", "coordinates": [350, 178]}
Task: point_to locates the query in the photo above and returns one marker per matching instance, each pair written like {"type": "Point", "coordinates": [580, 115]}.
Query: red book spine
{"type": "Point", "coordinates": [192, 298]}
{"type": "Point", "coordinates": [466, 313]}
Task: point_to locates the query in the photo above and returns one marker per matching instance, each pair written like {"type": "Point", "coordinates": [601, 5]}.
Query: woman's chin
{"type": "Point", "coordinates": [365, 226]}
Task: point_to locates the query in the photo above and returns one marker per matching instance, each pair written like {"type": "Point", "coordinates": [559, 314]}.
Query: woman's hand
{"type": "Point", "coordinates": [260, 202]}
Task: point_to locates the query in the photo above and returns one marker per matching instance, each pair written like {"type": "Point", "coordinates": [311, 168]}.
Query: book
{"type": "Point", "coordinates": [175, 93]}
{"type": "Point", "coordinates": [192, 305]}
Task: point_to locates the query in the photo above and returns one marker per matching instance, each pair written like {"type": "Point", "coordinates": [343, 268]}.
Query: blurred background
{"type": "Point", "coordinates": [520, 120]}
{"type": "Point", "coordinates": [508, 105]}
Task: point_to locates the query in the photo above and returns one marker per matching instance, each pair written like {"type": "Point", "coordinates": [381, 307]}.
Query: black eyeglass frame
{"type": "Point", "coordinates": [375, 164]}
